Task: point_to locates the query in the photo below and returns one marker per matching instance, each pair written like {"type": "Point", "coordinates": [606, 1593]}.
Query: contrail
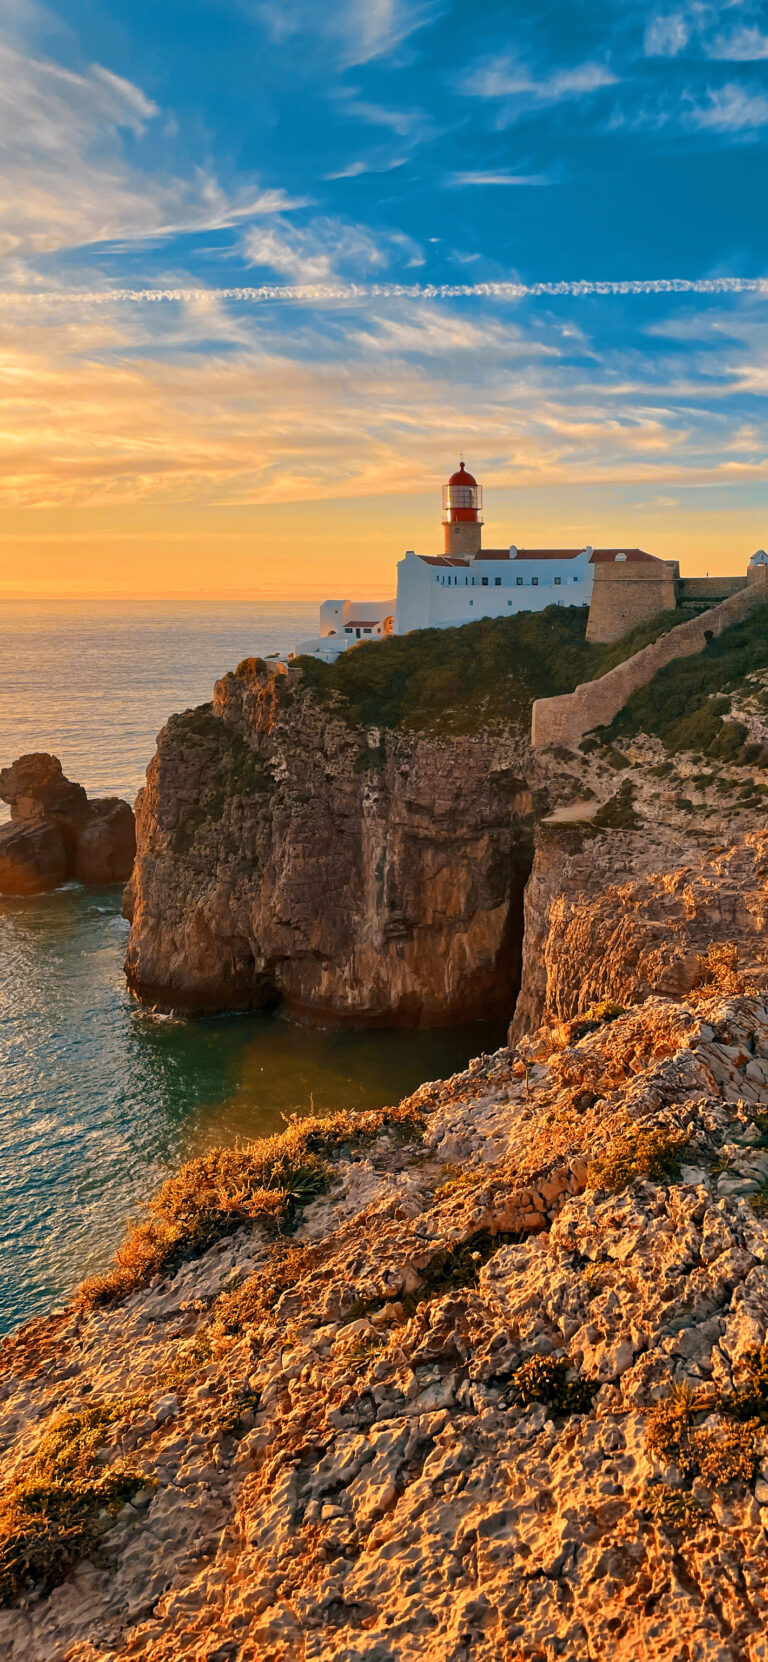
{"type": "Point", "coordinates": [329, 293]}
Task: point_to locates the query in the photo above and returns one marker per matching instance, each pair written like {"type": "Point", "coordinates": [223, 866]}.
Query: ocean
{"type": "Point", "coordinates": [100, 1099]}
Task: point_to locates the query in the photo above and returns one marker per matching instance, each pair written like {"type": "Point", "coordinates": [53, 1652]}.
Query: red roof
{"type": "Point", "coordinates": [442, 560]}
{"type": "Point", "coordinates": [462, 477]}
{"type": "Point", "coordinates": [601, 555]}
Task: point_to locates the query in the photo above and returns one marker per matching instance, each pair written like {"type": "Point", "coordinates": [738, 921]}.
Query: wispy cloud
{"type": "Point", "coordinates": [510, 79]}
{"type": "Point", "coordinates": [462, 180]}
{"type": "Point", "coordinates": [666, 36]}
{"type": "Point", "coordinates": [67, 178]}
{"type": "Point", "coordinates": [697, 28]}
{"type": "Point", "coordinates": [87, 420]}
{"type": "Point", "coordinates": [358, 169]}
{"type": "Point", "coordinates": [745, 45]}
{"type": "Point", "coordinates": [356, 30]}
{"type": "Point", "coordinates": [325, 248]}
{"type": "Point", "coordinates": [729, 109]}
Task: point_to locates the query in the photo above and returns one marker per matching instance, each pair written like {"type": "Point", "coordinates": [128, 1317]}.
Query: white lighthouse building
{"type": "Point", "coordinates": [467, 581]}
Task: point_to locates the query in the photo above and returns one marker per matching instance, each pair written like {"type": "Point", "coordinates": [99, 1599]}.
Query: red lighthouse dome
{"type": "Point", "coordinates": [462, 504]}
{"type": "Point", "coordinates": [463, 478]}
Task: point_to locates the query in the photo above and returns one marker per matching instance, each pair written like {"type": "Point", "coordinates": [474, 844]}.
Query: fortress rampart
{"type": "Point", "coordinates": [566, 719]}
{"type": "Point", "coordinates": [624, 595]}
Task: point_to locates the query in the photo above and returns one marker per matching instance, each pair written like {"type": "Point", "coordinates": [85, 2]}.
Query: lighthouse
{"type": "Point", "coordinates": [462, 514]}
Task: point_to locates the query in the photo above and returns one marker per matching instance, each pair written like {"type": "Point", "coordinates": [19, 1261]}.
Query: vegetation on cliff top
{"type": "Point", "coordinates": [458, 680]}
{"type": "Point", "coordinates": [267, 1181]}
{"type": "Point", "coordinates": [684, 705]}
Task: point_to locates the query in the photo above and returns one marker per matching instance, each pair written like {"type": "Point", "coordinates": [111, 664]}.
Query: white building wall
{"type": "Point", "coordinates": [442, 597]}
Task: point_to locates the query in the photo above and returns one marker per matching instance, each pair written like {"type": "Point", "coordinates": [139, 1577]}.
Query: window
{"type": "Point", "coordinates": [534, 581]}
{"type": "Point", "coordinates": [366, 631]}
{"type": "Point", "coordinates": [484, 581]}
{"type": "Point", "coordinates": [558, 581]}
{"type": "Point", "coordinates": [575, 579]}
{"type": "Point", "coordinates": [519, 582]}
{"type": "Point", "coordinates": [497, 581]}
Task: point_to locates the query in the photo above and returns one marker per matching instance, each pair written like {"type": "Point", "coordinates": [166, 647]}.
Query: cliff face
{"type": "Point", "coordinates": [284, 856]}
{"type": "Point", "coordinates": [622, 912]}
{"type": "Point", "coordinates": [499, 1390]}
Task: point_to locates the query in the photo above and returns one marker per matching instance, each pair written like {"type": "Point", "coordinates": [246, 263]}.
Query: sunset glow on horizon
{"type": "Point", "coordinates": [386, 256]}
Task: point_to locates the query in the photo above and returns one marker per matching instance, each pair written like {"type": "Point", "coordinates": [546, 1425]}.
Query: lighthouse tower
{"type": "Point", "coordinates": [462, 514]}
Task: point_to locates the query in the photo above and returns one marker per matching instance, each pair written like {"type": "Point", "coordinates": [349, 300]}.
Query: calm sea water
{"type": "Point", "coordinates": [99, 1099]}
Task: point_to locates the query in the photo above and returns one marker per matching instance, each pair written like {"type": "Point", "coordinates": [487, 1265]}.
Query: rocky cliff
{"type": "Point", "coordinates": [485, 1376]}
{"type": "Point", "coordinates": [348, 873]}
{"type": "Point", "coordinates": [56, 833]}
{"type": "Point", "coordinates": [354, 844]}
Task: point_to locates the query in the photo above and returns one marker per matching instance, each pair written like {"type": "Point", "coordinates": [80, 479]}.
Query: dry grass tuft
{"type": "Point", "coordinates": [720, 975]}
{"type": "Point", "coordinates": [705, 1436]}
{"type": "Point", "coordinates": [267, 1181]}
{"type": "Point", "coordinates": [598, 1015]}
{"type": "Point", "coordinates": [58, 1511]}
{"type": "Point", "coordinates": [636, 1152]}
{"type": "Point", "coordinates": [673, 1507]}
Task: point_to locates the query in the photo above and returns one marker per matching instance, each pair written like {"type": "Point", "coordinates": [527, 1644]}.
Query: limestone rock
{"type": "Point", "coordinates": [56, 833]}
{"type": "Point", "coordinates": [106, 842]}
{"type": "Point", "coordinates": [285, 855]}
{"type": "Point", "coordinates": [313, 1483]}
{"type": "Point", "coordinates": [32, 858]}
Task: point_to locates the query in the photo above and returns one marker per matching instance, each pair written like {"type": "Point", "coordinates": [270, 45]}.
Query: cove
{"type": "Point", "coordinates": [99, 1098]}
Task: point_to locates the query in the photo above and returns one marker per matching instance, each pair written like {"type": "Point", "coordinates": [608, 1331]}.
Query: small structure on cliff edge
{"type": "Point", "coordinates": [55, 832]}
{"type": "Point", "coordinates": [621, 586]}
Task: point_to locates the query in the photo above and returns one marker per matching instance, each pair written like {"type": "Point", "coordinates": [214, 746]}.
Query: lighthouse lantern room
{"type": "Point", "coordinates": [462, 513]}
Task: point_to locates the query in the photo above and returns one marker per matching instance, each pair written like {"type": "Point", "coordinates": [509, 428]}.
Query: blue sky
{"type": "Point", "coordinates": [426, 183]}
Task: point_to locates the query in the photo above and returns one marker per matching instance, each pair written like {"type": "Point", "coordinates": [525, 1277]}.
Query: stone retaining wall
{"type": "Point", "coordinates": [566, 719]}
{"type": "Point", "coordinates": [708, 588]}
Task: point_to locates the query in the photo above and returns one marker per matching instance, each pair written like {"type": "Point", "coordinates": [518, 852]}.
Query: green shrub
{"type": "Point", "coordinates": [684, 705]}
{"type": "Point", "coordinates": [618, 813]}
{"type": "Point", "coordinates": [553, 1381]}
{"type": "Point", "coordinates": [458, 680]}
{"type": "Point", "coordinates": [57, 1512]}
{"type": "Point", "coordinates": [636, 1153]}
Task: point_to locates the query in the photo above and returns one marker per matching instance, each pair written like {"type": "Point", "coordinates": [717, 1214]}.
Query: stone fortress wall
{"type": "Point", "coordinates": [625, 595]}
{"type": "Point", "coordinates": [566, 719]}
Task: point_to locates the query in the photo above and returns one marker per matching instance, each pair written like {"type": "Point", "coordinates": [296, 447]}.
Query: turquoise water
{"type": "Point", "coordinates": [99, 1099]}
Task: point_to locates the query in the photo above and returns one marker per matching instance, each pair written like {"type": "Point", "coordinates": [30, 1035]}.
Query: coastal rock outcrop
{"type": "Point", "coordinates": [56, 833]}
{"type": "Point", "coordinates": [484, 1376]}
{"type": "Point", "coordinates": [287, 855]}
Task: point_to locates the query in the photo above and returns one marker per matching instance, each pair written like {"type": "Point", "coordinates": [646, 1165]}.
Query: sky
{"type": "Point", "coordinates": [268, 266]}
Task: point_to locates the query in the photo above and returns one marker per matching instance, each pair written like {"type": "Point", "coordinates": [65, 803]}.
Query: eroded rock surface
{"type": "Point", "coordinates": [284, 856]}
{"type": "Point", "coordinates": [338, 1453]}
{"type": "Point", "coordinates": [56, 833]}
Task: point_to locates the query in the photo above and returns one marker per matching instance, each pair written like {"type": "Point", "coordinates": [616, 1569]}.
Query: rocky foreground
{"type": "Point", "coordinates": [484, 1377]}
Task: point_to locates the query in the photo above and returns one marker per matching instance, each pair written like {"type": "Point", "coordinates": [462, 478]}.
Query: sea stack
{"type": "Point", "coordinates": [56, 834]}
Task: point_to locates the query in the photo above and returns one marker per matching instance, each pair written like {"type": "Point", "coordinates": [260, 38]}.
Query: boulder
{"type": "Point", "coordinates": [36, 788]}
{"type": "Point", "coordinates": [32, 858]}
{"type": "Point", "coordinates": [106, 843]}
{"type": "Point", "coordinates": [56, 833]}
